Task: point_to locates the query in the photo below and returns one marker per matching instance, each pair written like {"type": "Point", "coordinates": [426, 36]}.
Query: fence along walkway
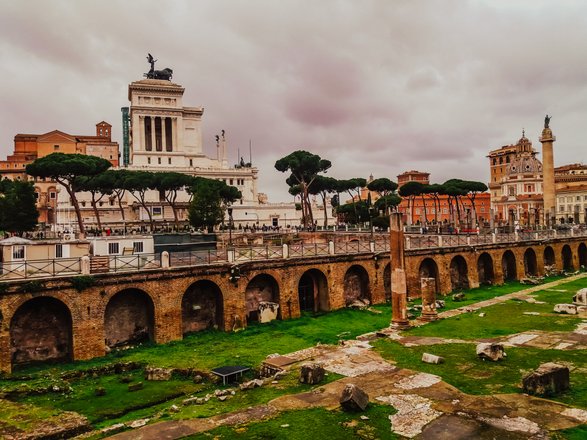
{"type": "Point", "coordinates": [62, 267]}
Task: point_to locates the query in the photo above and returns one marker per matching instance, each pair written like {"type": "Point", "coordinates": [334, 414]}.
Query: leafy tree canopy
{"type": "Point", "coordinates": [412, 188]}
{"type": "Point", "coordinates": [18, 212]}
{"type": "Point", "coordinates": [382, 185]}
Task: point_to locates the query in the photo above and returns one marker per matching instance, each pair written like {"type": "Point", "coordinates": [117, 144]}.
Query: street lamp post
{"type": "Point", "coordinates": [230, 227]}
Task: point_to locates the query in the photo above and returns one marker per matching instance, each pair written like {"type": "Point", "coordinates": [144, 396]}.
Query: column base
{"type": "Point", "coordinates": [400, 325]}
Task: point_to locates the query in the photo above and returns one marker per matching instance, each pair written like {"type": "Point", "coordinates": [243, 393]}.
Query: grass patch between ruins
{"type": "Point", "coordinates": [464, 370]}
{"type": "Point", "coordinates": [314, 423]}
{"type": "Point", "coordinates": [509, 317]}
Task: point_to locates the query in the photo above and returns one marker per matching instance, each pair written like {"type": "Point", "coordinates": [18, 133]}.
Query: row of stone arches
{"type": "Point", "coordinates": [41, 329]}
{"type": "Point", "coordinates": [459, 270]}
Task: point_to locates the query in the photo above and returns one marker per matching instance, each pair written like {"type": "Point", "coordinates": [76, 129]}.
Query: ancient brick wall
{"type": "Point", "coordinates": [170, 302]}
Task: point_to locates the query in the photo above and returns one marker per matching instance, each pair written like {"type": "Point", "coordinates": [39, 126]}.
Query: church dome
{"type": "Point", "coordinates": [526, 164]}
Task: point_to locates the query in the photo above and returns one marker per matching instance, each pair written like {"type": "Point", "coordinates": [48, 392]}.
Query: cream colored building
{"type": "Point", "coordinates": [571, 193]}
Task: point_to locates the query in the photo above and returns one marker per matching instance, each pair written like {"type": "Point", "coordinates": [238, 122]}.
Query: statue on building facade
{"type": "Point", "coordinates": [164, 74]}
{"type": "Point", "coordinates": [547, 121]}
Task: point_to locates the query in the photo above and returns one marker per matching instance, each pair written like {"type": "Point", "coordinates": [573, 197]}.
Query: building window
{"type": "Point", "coordinates": [113, 249]}
{"type": "Point", "coordinates": [159, 160]}
{"type": "Point", "coordinates": [137, 247]}
{"type": "Point", "coordinates": [231, 181]}
{"type": "Point", "coordinates": [18, 252]}
{"type": "Point", "coordinates": [58, 251]}
{"type": "Point", "coordinates": [445, 210]}
{"type": "Point", "coordinates": [52, 195]}
{"type": "Point", "coordinates": [56, 147]}
{"type": "Point", "coordinates": [191, 162]}
{"type": "Point", "coordinates": [36, 196]}
{"type": "Point", "coordinates": [149, 160]}
{"type": "Point", "coordinates": [169, 160]}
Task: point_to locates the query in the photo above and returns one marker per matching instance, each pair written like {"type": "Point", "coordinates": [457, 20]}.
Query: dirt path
{"type": "Point", "coordinates": [426, 406]}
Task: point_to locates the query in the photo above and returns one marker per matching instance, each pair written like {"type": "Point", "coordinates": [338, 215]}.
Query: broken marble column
{"type": "Point", "coordinates": [429, 312]}
{"type": "Point", "coordinates": [399, 290]}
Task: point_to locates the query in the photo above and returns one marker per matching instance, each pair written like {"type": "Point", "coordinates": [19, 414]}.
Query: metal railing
{"type": "Point", "coordinates": [308, 249]}
{"type": "Point", "coordinates": [40, 268]}
{"type": "Point", "coordinates": [61, 267]}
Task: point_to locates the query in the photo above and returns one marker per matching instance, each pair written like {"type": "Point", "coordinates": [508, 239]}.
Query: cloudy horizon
{"type": "Point", "coordinates": [377, 87]}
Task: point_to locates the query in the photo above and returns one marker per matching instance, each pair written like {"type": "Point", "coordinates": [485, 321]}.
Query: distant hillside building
{"type": "Point", "coordinates": [28, 147]}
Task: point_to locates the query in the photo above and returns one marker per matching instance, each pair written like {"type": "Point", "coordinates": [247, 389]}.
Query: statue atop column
{"type": "Point", "coordinates": [164, 74]}
{"type": "Point", "coordinates": [547, 121]}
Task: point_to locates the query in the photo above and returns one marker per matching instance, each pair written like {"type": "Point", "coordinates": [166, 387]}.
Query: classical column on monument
{"type": "Point", "coordinates": [399, 291]}
{"type": "Point", "coordinates": [429, 312]}
{"type": "Point", "coordinates": [548, 173]}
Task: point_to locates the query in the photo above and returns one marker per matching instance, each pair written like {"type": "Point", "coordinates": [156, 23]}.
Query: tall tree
{"type": "Point", "coordinates": [118, 188]}
{"type": "Point", "coordinates": [323, 186]}
{"type": "Point", "coordinates": [209, 201]}
{"type": "Point", "coordinates": [66, 169]}
{"type": "Point", "coordinates": [18, 212]}
{"type": "Point", "coordinates": [170, 184]}
{"type": "Point", "coordinates": [304, 168]}
{"type": "Point", "coordinates": [137, 183]}
{"type": "Point", "coordinates": [383, 187]}
{"type": "Point", "coordinates": [411, 190]}
{"type": "Point", "coordinates": [98, 186]}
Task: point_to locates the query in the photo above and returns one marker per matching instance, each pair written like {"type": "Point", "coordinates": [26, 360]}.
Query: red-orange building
{"type": "Point", "coordinates": [28, 147]}
{"type": "Point", "coordinates": [430, 210]}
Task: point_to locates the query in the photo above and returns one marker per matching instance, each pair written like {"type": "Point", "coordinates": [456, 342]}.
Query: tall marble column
{"type": "Point", "coordinates": [399, 291]}
{"type": "Point", "coordinates": [548, 187]}
{"type": "Point", "coordinates": [153, 138]}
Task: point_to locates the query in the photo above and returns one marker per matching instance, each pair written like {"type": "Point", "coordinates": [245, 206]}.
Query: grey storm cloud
{"type": "Point", "coordinates": [377, 87]}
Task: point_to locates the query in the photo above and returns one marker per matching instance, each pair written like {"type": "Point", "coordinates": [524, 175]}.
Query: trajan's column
{"type": "Point", "coordinates": [548, 173]}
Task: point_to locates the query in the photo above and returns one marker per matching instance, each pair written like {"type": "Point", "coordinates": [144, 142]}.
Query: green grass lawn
{"type": "Point", "coordinates": [464, 370]}
{"type": "Point", "coordinates": [508, 317]}
{"type": "Point", "coordinates": [315, 423]}
{"type": "Point", "coordinates": [206, 350]}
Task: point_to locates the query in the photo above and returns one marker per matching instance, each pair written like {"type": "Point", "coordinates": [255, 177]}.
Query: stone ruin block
{"type": "Point", "coordinates": [432, 359]}
{"type": "Point", "coordinates": [580, 297]}
{"type": "Point", "coordinates": [547, 380]}
{"type": "Point", "coordinates": [158, 374]}
{"type": "Point", "coordinates": [354, 398]}
{"type": "Point", "coordinates": [569, 309]}
{"type": "Point", "coordinates": [268, 311]}
{"type": "Point", "coordinates": [312, 374]}
{"type": "Point", "coordinates": [490, 351]}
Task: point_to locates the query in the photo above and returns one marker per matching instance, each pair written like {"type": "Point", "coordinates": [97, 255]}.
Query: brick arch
{"type": "Point", "coordinates": [567, 257]}
{"type": "Point", "coordinates": [41, 330]}
{"type": "Point", "coordinates": [202, 307]}
{"type": "Point", "coordinates": [530, 262]}
{"type": "Point", "coordinates": [459, 278]}
{"type": "Point", "coordinates": [428, 268]}
{"type": "Point", "coordinates": [582, 253]}
{"type": "Point", "coordinates": [356, 285]}
{"type": "Point", "coordinates": [129, 318]}
{"type": "Point", "coordinates": [261, 288]}
{"type": "Point", "coordinates": [508, 266]}
{"type": "Point", "coordinates": [313, 292]}
{"type": "Point", "coordinates": [549, 256]}
{"type": "Point", "coordinates": [485, 270]}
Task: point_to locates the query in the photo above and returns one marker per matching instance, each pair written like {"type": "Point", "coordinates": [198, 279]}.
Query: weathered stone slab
{"type": "Point", "coordinates": [547, 380]}
{"type": "Point", "coordinates": [354, 398]}
{"type": "Point", "coordinates": [490, 351]}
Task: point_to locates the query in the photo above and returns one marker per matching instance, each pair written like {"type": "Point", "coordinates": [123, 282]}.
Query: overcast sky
{"type": "Point", "coordinates": [377, 87]}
